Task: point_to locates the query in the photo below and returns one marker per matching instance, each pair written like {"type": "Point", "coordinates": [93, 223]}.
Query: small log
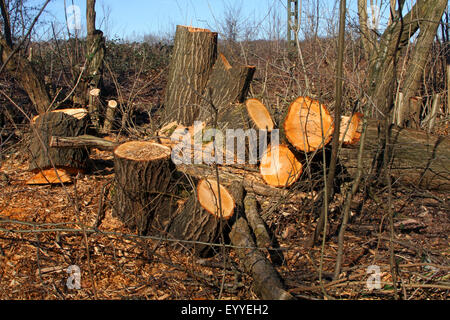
{"type": "Point", "coordinates": [83, 141]}
{"type": "Point", "coordinates": [62, 123]}
{"type": "Point", "coordinates": [279, 167]}
{"type": "Point", "coordinates": [142, 176]}
{"type": "Point", "coordinates": [201, 221]}
{"type": "Point", "coordinates": [308, 124]}
{"type": "Point", "coordinates": [255, 221]}
{"type": "Point", "coordinates": [110, 116]}
{"type": "Point", "coordinates": [267, 283]}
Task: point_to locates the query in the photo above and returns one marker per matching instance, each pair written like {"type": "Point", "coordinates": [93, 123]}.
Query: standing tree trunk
{"type": "Point", "coordinates": [193, 57]}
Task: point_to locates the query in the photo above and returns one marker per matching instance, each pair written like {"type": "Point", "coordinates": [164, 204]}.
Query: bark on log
{"type": "Point", "coordinates": [83, 141]}
{"type": "Point", "coordinates": [227, 86]}
{"type": "Point", "coordinates": [193, 57]}
{"type": "Point", "coordinates": [63, 123]}
{"type": "Point", "coordinates": [201, 221]}
{"type": "Point", "coordinates": [142, 175]}
{"type": "Point", "coordinates": [418, 159]}
{"type": "Point", "coordinates": [267, 283]}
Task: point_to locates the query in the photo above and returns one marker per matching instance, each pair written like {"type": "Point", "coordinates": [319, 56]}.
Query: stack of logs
{"type": "Point", "coordinates": [203, 86]}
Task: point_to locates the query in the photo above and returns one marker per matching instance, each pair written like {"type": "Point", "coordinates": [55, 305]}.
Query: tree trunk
{"type": "Point", "coordinates": [143, 172]}
{"type": "Point", "coordinates": [193, 57]}
{"type": "Point", "coordinates": [418, 159]}
{"type": "Point", "coordinates": [60, 123]}
{"type": "Point", "coordinates": [27, 76]}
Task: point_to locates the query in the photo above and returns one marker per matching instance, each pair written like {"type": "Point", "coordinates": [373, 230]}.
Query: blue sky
{"type": "Point", "coordinates": [132, 19]}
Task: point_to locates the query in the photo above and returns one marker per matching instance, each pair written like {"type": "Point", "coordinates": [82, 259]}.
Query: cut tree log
{"type": "Point", "coordinates": [259, 114]}
{"type": "Point", "coordinates": [61, 123]}
{"type": "Point", "coordinates": [193, 57]}
{"type": "Point", "coordinates": [308, 125]}
{"type": "Point", "coordinates": [419, 159]}
{"type": "Point", "coordinates": [279, 167]}
{"type": "Point", "coordinates": [350, 130]}
{"type": "Point", "coordinates": [267, 283]}
{"type": "Point", "coordinates": [83, 141]}
{"type": "Point", "coordinates": [227, 86]}
{"type": "Point", "coordinates": [201, 220]}
{"type": "Point", "coordinates": [142, 176]}
{"type": "Point", "coordinates": [110, 116]}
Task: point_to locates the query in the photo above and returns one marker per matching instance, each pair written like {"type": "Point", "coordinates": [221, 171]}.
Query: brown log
{"type": "Point", "coordinates": [142, 176]}
{"type": "Point", "coordinates": [419, 159]}
{"type": "Point", "coordinates": [308, 124]}
{"type": "Point", "coordinates": [279, 167]}
{"type": "Point", "coordinates": [267, 283]}
{"type": "Point", "coordinates": [201, 221]}
{"type": "Point", "coordinates": [256, 223]}
{"type": "Point", "coordinates": [62, 123]}
{"type": "Point", "coordinates": [193, 57]}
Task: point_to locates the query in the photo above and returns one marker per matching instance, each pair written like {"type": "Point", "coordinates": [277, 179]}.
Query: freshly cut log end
{"type": "Point", "coordinates": [279, 167]}
{"type": "Point", "coordinates": [308, 124]}
{"type": "Point", "coordinates": [208, 197]}
{"type": "Point", "coordinates": [142, 151]}
{"type": "Point", "coordinates": [349, 133]}
{"type": "Point", "coordinates": [259, 114]}
{"type": "Point", "coordinates": [50, 176]}
{"type": "Point", "coordinates": [78, 113]}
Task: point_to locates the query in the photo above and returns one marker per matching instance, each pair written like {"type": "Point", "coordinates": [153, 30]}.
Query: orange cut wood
{"type": "Point", "coordinates": [259, 114]}
{"type": "Point", "coordinates": [279, 167]}
{"type": "Point", "coordinates": [208, 197]}
{"type": "Point", "coordinates": [49, 176]}
{"type": "Point", "coordinates": [348, 133]}
{"type": "Point", "coordinates": [78, 113]}
{"type": "Point", "coordinates": [308, 124]}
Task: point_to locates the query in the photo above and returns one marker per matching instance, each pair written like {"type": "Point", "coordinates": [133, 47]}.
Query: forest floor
{"type": "Point", "coordinates": [45, 229]}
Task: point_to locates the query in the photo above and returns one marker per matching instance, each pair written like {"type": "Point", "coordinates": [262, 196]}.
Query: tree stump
{"type": "Point", "coordinates": [143, 172]}
{"type": "Point", "coordinates": [201, 220]}
{"type": "Point", "coordinates": [193, 57]}
{"type": "Point", "coordinates": [59, 123]}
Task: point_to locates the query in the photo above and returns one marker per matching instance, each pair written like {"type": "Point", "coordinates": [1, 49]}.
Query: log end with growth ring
{"type": "Point", "coordinates": [259, 114]}
{"type": "Point", "coordinates": [349, 133]}
{"type": "Point", "coordinates": [279, 167]}
{"type": "Point", "coordinates": [142, 151]}
{"type": "Point", "coordinates": [208, 197]}
{"type": "Point", "coordinates": [78, 113]}
{"type": "Point", "coordinates": [308, 124]}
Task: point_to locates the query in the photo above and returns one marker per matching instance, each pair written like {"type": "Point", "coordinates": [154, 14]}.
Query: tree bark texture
{"type": "Point", "coordinates": [143, 172]}
{"type": "Point", "coordinates": [59, 124]}
{"type": "Point", "coordinates": [417, 158]}
{"type": "Point", "coordinates": [193, 57]}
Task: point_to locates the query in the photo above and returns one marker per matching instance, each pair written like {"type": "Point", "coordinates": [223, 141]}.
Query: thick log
{"type": "Point", "coordinates": [62, 123]}
{"type": "Point", "coordinates": [308, 125]}
{"type": "Point", "coordinates": [201, 221]}
{"type": "Point", "coordinates": [227, 86]}
{"type": "Point", "coordinates": [193, 57]}
{"type": "Point", "coordinates": [267, 283]}
{"type": "Point", "coordinates": [142, 175]}
{"type": "Point", "coordinates": [419, 159]}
